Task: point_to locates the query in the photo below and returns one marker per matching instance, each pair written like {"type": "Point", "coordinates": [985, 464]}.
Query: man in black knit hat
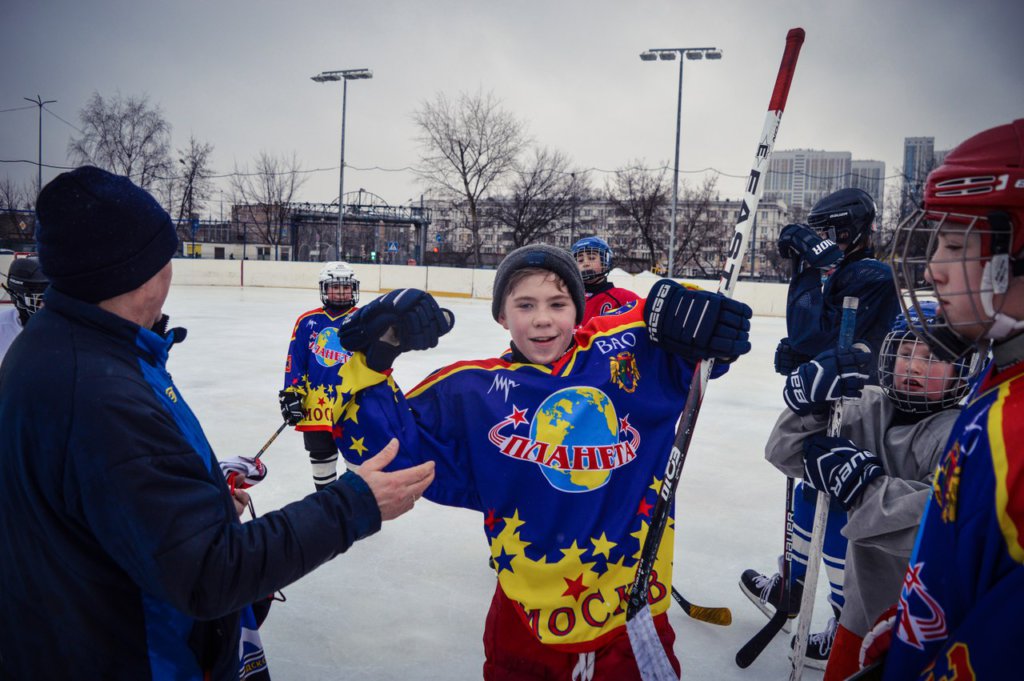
{"type": "Point", "coordinates": [123, 556]}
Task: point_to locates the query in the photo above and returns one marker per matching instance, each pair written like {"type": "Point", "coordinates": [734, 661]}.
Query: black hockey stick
{"type": "Point", "coordinates": [749, 652]}
{"type": "Point", "coordinates": [273, 437]}
{"type": "Point", "coordinates": [719, 616]}
{"type": "Point", "coordinates": [650, 655]}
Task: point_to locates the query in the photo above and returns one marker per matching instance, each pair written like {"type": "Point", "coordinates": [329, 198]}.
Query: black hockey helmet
{"type": "Point", "coordinates": [26, 284]}
{"type": "Point", "coordinates": [845, 216]}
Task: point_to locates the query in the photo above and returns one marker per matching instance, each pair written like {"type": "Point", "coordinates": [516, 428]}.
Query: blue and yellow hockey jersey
{"type": "Point", "coordinates": [960, 607]}
{"type": "Point", "coordinates": [564, 462]}
{"type": "Point", "coordinates": [311, 369]}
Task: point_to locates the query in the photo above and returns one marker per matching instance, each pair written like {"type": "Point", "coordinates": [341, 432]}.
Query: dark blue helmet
{"type": "Point", "coordinates": [597, 245]}
{"type": "Point", "coordinates": [26, 284]}
{"type": "Point", "coordinates": [911, 375]}
{"type": "Point", "coordinates": [845, 216]}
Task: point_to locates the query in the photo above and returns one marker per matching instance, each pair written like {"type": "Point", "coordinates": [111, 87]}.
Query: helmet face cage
{"type": "Point", "coordinates": [586, 249]}
{"type": "Point", "coordinates": [26, 296]}
{"type": "Point", "coordinates": [845, 217]}
{"type": "Point", "coordinates": [956, 250]}
{"type": "Point", "coordinates": [916, 380]}
{"type": "Point", "coordinates": [333, 277]}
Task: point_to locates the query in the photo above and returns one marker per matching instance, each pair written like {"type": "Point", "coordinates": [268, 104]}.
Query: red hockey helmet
{"type": "Point", "coordinates": [983, 174]}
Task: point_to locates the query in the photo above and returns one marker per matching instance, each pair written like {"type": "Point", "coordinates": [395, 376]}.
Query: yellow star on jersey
{"type": "Point", "coordinates": [573, 552]}
{"type": "Point", "coordinates": [602, 546]}
{"type": "Point", "coordinates": [352, 411]}
{"type": "Point", "coordinates": [656, 485]}
{"type": "Point", "coordinates": [641, 536]}
{"type": "Point", "coordinates": [358, 446]}
{"type": "Point", "coordinates": [512, 524]}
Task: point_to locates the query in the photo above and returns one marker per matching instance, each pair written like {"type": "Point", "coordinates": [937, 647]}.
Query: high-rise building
{"type": "Point", "coordinates": [800, 177]}
{"type": "Point", "coordinates": [918, 161]}
{"type": "Point", "coordinates": [869, 176]}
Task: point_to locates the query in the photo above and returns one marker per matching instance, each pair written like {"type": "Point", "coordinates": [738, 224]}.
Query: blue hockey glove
{"type": "Point", "coordinates": [787, 359]}
{"type": "Point", "coordinates": [696, 324]}
{"type": "Point", "coordinates": [402, 320]}
{"type": "Point", "coordinates": [291, 406]}
{"type": "Point", "coordinates": [800, 241]}
{"type": "Point", "coordinates": [838, 467]}
{"type": "Point", "coordinates": [826, 378]}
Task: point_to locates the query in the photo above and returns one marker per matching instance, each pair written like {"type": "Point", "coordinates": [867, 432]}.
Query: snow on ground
{"type": "Point", "coordinates": [410, 602]}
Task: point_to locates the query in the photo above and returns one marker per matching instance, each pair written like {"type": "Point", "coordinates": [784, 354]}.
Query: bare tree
{"type": "Point", "coordinates": [125, 136]}
{"type": "Point", "coordinates": [468, 146]}
{"type": "Point", "coordinates": [700, 232]}
{"type": "Point", "coordinates": [16, 222]}
{"type": "Point", "coordinates": [196, 186]}
{"type": "Point", "coordinates": [641, 195]}
{"type": "Point", "coordinates": [543, 191]}
{"type": "Point", "coordinates": [264, 194]}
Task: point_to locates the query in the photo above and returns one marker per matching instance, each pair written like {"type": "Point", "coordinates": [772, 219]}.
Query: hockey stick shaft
{"type": "Point", "coordinates": [641, 628]}
{"type": "Point", "coordinates": [814, 551]}
{"type": "Point", "coordinates": [273, 437]}
{"type": "Point", "coordinates": [750, 651]}
{"type": "Point", "coordinates": [702, 613]}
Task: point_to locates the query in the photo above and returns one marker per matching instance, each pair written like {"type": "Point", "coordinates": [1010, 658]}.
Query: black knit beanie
{"type": "Point", "coordinates": [557, 260]}
{"type": "Point", "coordinates": [99, 235]}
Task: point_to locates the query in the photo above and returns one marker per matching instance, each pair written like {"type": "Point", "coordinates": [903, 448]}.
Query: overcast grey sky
{"type": "Point", "coordinates": [237, 74]}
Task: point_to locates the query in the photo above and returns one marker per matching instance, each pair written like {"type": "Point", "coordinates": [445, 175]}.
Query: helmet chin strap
{"type": "Point", "coordinates": [995, 280]}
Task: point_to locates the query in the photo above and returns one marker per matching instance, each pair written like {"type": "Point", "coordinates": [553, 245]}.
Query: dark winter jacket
{"type": "Point", "coordinates": [813, 310]}
{"type": "Point", "coordinates": [121, 556]}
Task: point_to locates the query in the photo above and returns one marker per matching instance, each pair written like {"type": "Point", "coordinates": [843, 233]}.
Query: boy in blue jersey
{"type": "Point", "coordinates": [560, 444]}
{"type": "Point", "coordinates": [311, 370]}
{"type": "Point", "coordinates": [960, 606]}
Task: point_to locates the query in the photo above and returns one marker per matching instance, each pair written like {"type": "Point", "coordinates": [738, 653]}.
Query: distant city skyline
{"type": "Point", "coordinates": [237, 75]}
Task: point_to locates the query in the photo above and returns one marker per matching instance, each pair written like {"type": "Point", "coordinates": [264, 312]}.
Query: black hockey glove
{"type": "Point", "coordinates": [787, 359]}
{"type": "Point", "coordinates": [402, 320]}
{"type": "Point", "coordinates": [291, 406]}
{"type": "Point", "coordinates": [836, 466]}
{"type": "Point", "coordinates": [800, 241]}
{"type": "Point", "coordinates": [696, 324]}
{"type": "Point", "coordinates": [826, 378]}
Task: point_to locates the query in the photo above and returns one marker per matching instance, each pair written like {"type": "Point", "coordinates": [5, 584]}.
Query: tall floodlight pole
{"type": "Point", "coordinates": [344, 76]}
{"type": "Point", "coordinates": [669, 54]}
{"type": "Point", "coordinates": [38, 101]}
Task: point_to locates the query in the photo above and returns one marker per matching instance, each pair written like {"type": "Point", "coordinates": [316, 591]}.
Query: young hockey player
{"type": "Point", "coordinates": [832, 258]}
{"type": "Point", "coordinates": [879, 471]}
{"type": "Point", "coordinates": [594, 258]}
{"type": "Point", "coordinates": [556, 443]}
{"type": "Point", "coordinates": [960, 605]}
{"type": "Point", "coordinates": [25, 284]}
{"type": "Point", "coordinates": [311, 370]}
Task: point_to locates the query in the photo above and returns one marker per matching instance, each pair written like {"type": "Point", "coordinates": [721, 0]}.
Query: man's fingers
{"type": "Point", "coordinates": [380, 460]}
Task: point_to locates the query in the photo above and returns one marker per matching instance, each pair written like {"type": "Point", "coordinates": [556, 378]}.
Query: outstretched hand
{"type": "Point", "coordinates": [696, 324]}
{"type": "Point", "coordinates": [396, 492]}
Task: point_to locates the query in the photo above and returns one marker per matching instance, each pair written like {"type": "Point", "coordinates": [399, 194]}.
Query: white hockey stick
{"type": "Point", "coordinates": [650, 655]}
{"type": "Point", "coordinates": [814, 551]}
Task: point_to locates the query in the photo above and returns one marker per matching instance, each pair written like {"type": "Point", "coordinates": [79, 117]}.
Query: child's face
{"type": "Point", "coordinates": [588, 261]}
{"type": "Point", "coordinates": [917, 372]}
{"type": "Point", "coordinates": [955, 270]}
{"type": "Point", "coordinates": [339, 294]}
{"type": "Point", "coordinates": [540, 315]}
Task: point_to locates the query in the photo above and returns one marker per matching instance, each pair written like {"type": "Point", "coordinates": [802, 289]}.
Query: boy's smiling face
{"type": "Point", "coordinates": [539, 313]}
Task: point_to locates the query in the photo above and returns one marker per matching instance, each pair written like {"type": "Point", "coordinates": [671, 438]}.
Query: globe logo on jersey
{"type": "Point", "coordinates": [327, 348]}
{"type": "Point", "coordinates": [575, 438]}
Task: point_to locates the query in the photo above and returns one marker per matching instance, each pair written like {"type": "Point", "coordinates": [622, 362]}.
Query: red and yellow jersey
{"type": "Point", "coordinates": [963, 593]}
{"type": "Point", "coordinates": [311, 369]}
{"type": "Point", "coordinates": [605, 300]}
{"type": "Point", "coordinates": [564, 462]}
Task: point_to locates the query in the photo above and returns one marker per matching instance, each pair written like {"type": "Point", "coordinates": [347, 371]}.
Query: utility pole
{"type": "Point", "coordinates": [38, 101]}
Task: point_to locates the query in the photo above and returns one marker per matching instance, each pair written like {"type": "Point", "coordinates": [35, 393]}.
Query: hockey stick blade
{"type": "Point", "coordinates": [749, 652]}
{"type": "Point", "coordinates": [719, 616]}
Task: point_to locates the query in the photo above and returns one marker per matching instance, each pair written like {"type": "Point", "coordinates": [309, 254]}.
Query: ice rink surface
{"type": "Point", "coordinates": [410, 601]}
